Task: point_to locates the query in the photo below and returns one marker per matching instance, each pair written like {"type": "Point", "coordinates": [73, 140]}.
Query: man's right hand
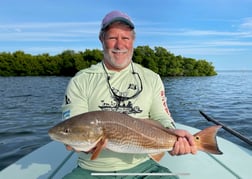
{"type": "Point", "coordinates": [68, 147]}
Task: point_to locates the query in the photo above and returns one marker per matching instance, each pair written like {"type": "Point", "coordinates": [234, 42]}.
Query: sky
{"type": "Point", "coordinates": [219, 31]}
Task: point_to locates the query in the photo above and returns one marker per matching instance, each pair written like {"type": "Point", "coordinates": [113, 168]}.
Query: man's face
{"type": "Point", "coordinates": [118, 48]}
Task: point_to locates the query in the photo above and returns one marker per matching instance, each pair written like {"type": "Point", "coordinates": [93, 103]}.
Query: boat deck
{"type": "Point", "coordinates": [54, 161]}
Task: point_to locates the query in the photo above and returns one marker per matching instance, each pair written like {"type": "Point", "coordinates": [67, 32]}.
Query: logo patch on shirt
{"type": "Point", "coordinates": [66, 114]}
{"type": "Point", "coordinates": [132, 86]}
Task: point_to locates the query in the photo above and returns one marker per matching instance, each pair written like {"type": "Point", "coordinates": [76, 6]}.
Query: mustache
{"type": "Point", "coordinates": [119, 51]}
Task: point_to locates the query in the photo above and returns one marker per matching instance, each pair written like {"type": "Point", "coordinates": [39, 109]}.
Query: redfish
{"type": "Point", "coordinates": [94, 131]}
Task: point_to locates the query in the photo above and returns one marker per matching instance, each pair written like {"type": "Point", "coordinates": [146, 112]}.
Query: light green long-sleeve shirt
{"type": "Point", "coordinates": [89, 91]}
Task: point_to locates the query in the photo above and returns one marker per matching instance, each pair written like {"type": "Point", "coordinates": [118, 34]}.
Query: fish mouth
{"type": "Point", "coordinates": [55, 137]}
{"type": "Point", "coordinates": [79, 145]}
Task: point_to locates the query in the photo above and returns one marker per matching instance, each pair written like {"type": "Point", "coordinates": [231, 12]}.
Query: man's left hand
{"type": "Point", "coordinates": [185, 143]}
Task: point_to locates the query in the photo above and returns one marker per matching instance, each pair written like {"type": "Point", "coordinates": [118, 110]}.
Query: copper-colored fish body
{"type": "Point", "coordinates": [122, 133]}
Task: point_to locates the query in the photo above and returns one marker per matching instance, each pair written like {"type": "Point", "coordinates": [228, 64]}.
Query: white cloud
{"type": "Point", "coordinates": [58, 31]}
{"type": "Point", "coordinates": [229, 43]}
{"type": "Point", "coordinates": [247, 23]}
{"type": "Point", "coordinates": [46, 25]}
{"type": "Point", "coordinates": [189, 32]}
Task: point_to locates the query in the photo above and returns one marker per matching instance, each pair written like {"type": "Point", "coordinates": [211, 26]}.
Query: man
{"type": "Point", "coordinates": [118, 84]}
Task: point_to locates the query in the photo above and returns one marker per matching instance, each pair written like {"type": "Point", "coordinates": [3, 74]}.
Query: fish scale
{"type": "Point", "coordinates": [137, 137]}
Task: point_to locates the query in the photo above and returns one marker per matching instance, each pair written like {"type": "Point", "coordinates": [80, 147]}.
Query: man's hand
{"type": "Point", "coordinates": [185, 143]}
{"type": "Point", "coordinates": [68, 147]}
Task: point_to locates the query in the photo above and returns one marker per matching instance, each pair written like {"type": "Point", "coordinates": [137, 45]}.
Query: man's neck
{"type": "Point", "coordinates": [113, 68]}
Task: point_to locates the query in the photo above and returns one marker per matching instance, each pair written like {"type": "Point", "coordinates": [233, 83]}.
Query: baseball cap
{"type": "Point", "coordinates": [114, 16]}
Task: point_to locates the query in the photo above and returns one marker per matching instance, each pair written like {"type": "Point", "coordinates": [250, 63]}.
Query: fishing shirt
{"type": "Point", "coordinates": [91, 90]}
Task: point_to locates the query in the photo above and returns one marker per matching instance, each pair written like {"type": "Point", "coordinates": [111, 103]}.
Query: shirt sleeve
{"type": "Point", "coordinates": [159, 109]}
{"type": "Point", "coordinates": [75, 101]}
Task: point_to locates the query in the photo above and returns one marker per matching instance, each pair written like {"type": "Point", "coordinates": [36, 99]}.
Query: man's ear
{"type": "Point", "coordinates": [102, 41]}
{"type": "Point", "coordinates": [100, 38]}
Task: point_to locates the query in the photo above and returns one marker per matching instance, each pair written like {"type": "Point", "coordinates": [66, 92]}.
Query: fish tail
{"type": "Point", "coordinates": [206, 140]}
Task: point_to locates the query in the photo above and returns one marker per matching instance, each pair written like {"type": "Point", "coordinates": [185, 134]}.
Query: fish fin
{"type": "Point", "coordinates": [206, 140]}
{"type": "Point", "coordinates": [98, 148]}
{"type": "Point", "coordinates": [157, 157]}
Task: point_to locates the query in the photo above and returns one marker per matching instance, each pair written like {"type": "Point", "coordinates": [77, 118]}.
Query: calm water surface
{"type": "Point", "coordinates": [31, 105]}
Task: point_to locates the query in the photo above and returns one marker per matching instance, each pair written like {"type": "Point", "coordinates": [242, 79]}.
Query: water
{"type": "Point", "coordinates": [226, 97]}
{"type": "Point", "coordinates": [31, 105]}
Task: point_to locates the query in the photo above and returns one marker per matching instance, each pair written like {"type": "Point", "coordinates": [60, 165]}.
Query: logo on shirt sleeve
{"type": "Point", "coordinates": [67, 100]}
{"type": "Point", "coordinates": [164, 99]}
{"type": "Point", "coordinates": [66, 114]}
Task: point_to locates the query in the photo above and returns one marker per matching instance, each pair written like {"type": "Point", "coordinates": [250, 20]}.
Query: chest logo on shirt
{"type": "Point", "coordinates": [126, 107]}
{"type": "Point", "coordinates": [122, 106]}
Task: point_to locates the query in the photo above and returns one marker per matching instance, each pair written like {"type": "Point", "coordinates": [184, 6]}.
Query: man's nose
{"type": "Point", "coordinates": [119, 43]}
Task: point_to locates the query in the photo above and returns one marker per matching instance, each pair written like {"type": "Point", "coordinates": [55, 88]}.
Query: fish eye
{"type": "Point", "coordinates": [66, 130]}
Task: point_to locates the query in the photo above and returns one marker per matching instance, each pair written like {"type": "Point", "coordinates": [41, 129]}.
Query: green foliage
{"type": "Point", "coordinates": [69, 62]}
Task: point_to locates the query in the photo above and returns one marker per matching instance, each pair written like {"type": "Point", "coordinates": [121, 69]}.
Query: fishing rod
{"type": "Point", "coordinates": [233, 132]}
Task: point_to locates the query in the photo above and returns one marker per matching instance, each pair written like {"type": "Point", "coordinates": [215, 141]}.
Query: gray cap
{"type": "Point", "coordinates": [116, 16]}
